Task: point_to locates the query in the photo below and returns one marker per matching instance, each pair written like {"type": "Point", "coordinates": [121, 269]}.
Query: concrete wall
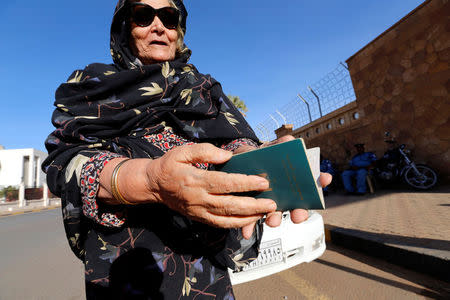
{"type": "Point", "coordinates": [402, 85]}
{"type": "Point", "coordinates": [12, 167]}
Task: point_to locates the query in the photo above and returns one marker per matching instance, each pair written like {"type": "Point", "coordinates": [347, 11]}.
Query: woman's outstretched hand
{"type": "Point", "coordinates": [202, 195]}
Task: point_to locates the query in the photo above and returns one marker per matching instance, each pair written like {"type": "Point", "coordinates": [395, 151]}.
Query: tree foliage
{"type": "Point", "coordinates": [240, 104]}
{"type": "Point", "coordinates": [10, 193]}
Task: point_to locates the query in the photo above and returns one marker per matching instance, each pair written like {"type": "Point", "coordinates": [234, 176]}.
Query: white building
{"type": "Point", "coordinates": [17, 165]}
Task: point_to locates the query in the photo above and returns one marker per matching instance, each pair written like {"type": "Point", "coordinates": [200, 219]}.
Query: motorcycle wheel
{"type": "Point", "coordinates": [424, 180]}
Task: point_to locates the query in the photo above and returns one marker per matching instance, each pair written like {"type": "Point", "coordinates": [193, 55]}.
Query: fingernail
{"type": "Point", "coordinates": [263, 183]}
{"type": "Point", "coordinates": [270, 204]}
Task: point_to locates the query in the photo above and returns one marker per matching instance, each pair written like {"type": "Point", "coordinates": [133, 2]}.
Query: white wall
{"type": "Point", "coordinates": [12, 167]}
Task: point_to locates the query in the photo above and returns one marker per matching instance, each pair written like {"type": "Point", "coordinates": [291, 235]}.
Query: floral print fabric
{"type": "Point", "coordinates": [90, 181]}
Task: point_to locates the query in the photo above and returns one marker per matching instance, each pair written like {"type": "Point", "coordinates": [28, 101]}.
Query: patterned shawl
{"type": "Point", "coordinates": [110, 108]}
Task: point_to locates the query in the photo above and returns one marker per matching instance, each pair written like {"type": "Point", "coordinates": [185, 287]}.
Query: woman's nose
{"type": "Point", "coordinates": [157, 25]}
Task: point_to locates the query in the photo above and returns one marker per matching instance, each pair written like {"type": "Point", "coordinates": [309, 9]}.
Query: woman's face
{"type": "Point", "coordinates": [154, 43]}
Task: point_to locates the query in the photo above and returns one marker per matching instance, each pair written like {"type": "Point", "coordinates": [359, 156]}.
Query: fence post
{"type": "Point", "coordinates": [276, 122]}
{"type": "Point", "coordinates": [264, 134]}
{"type": "Point", "coordinates": [318, 100]}
{"type": "Point", "coordinates": [284, 119]}
{"type": "Point", "coordinates": [45, 194]}
{"type": "Point", "coordinates": [22, 201]}
{"type": "Point", "coordinates": [343, 65]}
{"type": "Point", "coordinates": [267, 132]}
{"type": "Point", "coordinates": [307, 105]}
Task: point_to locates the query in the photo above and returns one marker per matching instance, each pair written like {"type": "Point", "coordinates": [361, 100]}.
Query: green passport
{"type": "Point", "coordinates": [292, 170]}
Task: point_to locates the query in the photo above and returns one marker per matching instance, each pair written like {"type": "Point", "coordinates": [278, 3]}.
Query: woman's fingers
{"type": "Point", "coordinates": [244, 148]}
{"type": "Point", "coordinates": [299, 215]}
{"type": "Point", "coordinates": [247, 231]}
{"type": "Point", "coordinates": [216, 182]}
{"type": "Point", "coordinates": [200, 153]}
{"type": "Point", "coordinates": [226, 221]}
{"type": "Point", "coordinates": [285, 138]}
{"type": "Point", "coordinates": [274, 219]}
{"type": "Point", "coordinates": [228, 205]}
{"type": "Point", "coordinates": [325, 179]}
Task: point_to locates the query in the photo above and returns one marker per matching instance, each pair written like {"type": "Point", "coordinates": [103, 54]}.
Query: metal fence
{"type": "Point", "coordinates": [326, 95]}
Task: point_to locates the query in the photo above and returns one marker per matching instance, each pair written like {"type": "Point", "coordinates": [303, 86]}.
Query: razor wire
{"type": "Point", "coordinates": [333, 91]}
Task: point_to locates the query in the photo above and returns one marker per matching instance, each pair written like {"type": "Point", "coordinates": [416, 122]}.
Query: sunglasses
{"type": "Point", "coordinates": [143, 15]}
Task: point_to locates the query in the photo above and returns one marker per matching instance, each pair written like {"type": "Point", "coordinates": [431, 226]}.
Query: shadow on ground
{"type": "Point", "coordinates": [435, 289]}
{"type": "Point", "coordinates": [422, 255]}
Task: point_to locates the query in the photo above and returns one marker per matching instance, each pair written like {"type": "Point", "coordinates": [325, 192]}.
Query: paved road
{"type": "Point", "coordinates": [35, 260]}
{"type": "Point", "coordinates": [36, 263]}
{"type": "Point", "coordinates": [345, 274]}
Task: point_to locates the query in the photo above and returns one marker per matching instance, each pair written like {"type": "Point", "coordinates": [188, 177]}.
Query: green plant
{"type": "Point", "coordinates": [11, 193]}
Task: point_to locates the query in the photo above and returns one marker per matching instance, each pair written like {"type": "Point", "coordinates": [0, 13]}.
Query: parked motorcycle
{"type": "Point", "coordinates": [396, 165]}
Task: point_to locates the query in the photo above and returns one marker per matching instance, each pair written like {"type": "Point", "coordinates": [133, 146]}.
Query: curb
{"type": "Point", "coordinates": [20, 212]}
{"type": "Point", "coordinates": [432, 265]}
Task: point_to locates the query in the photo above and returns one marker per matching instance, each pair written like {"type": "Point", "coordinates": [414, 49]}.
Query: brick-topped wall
{"type": "Point", "coordinates": [402, 85]}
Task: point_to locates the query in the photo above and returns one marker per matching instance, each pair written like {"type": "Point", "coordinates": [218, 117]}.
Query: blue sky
{"type": "Point", "coordinates": [263, 51]}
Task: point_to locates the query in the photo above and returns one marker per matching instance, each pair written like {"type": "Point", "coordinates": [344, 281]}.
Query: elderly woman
{"type": "Point", "coordinates": [133, 157]}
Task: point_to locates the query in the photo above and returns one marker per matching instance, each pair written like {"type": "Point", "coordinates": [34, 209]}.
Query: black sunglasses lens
{"type": "Point", "coordinates": [169, 16]}
{"type": "Point", "coordinates": [143, 15]}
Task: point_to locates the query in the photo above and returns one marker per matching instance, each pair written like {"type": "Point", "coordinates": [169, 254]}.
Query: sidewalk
{"type": "Point", "coordinates": [12, 208]}
{"type": "Point", "coordinates": [405, 227]}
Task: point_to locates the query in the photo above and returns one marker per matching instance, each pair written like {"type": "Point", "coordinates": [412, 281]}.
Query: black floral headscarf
{"type": "Point", "coordinates": [111, 106]}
